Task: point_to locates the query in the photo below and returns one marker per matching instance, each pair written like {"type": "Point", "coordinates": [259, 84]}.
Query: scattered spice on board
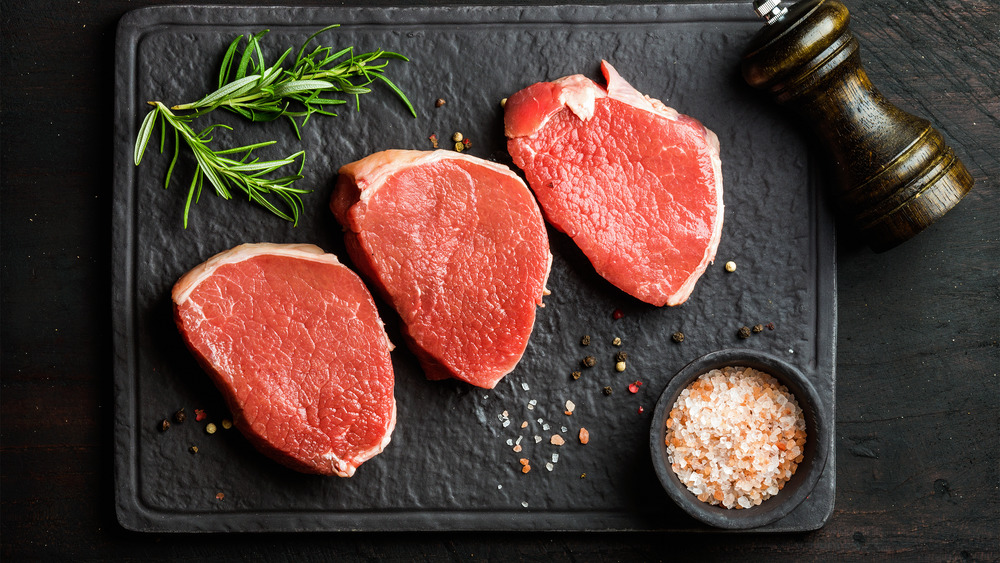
{"type": "Point", "coordinates": [585, 340]}
{"type": "Point", "coordinates": [608, 390]}
{"type": "Point", "coordinates": [180, 416]}
{"type": "Point", "coordinates": [677, 337]}
{"type": "Point", "coordinates": [468, 143]}
{"type": "Point", "coordinates": [744, 332]}
{"type": "Point", "coordinates": [589, 362]}
{"type": "Point", "coordinates": [618, 314]}
{"type": "Point", "coordinates": [220, 496]}
{"type": "Point", "coordinates": [557, 440]}
{"type": "Point", "coordinates": [524, 424]}
{"type": "Point", "coordinates": [641, 410]}
{"type": "Point", "coordinates": [193, 449]}
{"type": "Point", "coordinates": [570, 407]}
{"type": "Point", "coordinates": [164, 425]}
{"type": "Point", "coordinates": [730, 266]}
{"type": "Point", "coordinates": [503, 102]}
{"type": "Point", "coordinates": [621, 357]}
{"type": "Point", "coordinates": [199, 415]}
{"type": "Point", "coordinates": [634, 387]}
{"type": "Point", "coordinates": [620, 366]}
{"type": "Point", "coordinates": [459, 146]}
{"type": "Point", "coordinates": [517, 448]}
{"type": "Point", "coordinates": [616, 342]}
{"type": "Point", "coordinates": [758, 328]}
{"type": "Point", "coordinates": [770, 326]}
{"type": "Point", "coordinates": [584, 436]}
{"type": "Point", "coordinates": [457, 137]}
{"type": "Point", "coordinates": [434, 140]}
{"type": "Point", "coordinates": [727, 454]}
{"type": "Point", "coordinates": [439, 102]}
{"type": "Point", "coordinates": [227, 424]}
{"type": "Point", "coordinates": [576, 375]}
{"type": "Point", "coordinates": [210, 428]}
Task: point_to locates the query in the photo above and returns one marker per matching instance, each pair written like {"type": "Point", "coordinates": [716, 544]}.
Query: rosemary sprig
{"type": "Point", "coordinates": [224, 173]}
{"type": "Point", "coordinates": [261, 92]}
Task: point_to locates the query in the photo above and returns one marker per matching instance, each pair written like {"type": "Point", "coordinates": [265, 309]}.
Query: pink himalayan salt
{"type": "Point", "coordinates": [735, 436]}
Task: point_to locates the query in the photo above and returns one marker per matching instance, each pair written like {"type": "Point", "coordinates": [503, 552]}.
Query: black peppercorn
{"type": "Point", "coordinates": [744, 332]}
{"type": "Point", "coordinates": [678, 337]}
{"type": "Point", "coordinates": [621, 357]}
{"type": "Point", "coordinates": [589, 362]}
{"type": "Point", "coordinates": [164, 425]}
{"type": "Point", "coordinates": [585, 340]}
{"type": "Point", "coordinates": [575, 375]}
{"type": "Point", "coordinates": [179, 416]}
{"type": "Point", "coordinates": [608, 390]}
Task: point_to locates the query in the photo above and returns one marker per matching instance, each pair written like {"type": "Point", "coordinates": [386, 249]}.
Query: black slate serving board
{"type": "Point", "coordinates": [449, 466]}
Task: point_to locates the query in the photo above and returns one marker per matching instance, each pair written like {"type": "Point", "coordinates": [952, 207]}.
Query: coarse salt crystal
{"type": "Point", "coordinates": [555, 458]}
{"type": "Point", "coordinates": [570, 406]}
{"type": "Point", "coordinates": [538, 439]}
{"type": "Point", "coordinates": [549, 466]}
{"type": "Point", "coordinates": [545, 426]}
{"type": "Point", "coordinates": [524, 503]}
{"type": "Point", "coordinates": [506, 423]}
{"type": "Point", "coordinates": [564, 429]}
{"type": "Point", "coordinates": [499, 487]}
{"type": "Point", "coordinates": [524, 386]}
{"type": "Point", "coordinates": [510, 442]}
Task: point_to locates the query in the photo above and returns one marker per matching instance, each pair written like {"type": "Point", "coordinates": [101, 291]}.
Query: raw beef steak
{"type": "Point", "coordinates": [635, 184]}
{"type": "Point", "coordinates": [458, 246]}
{"type": "Point", "coordinates": [292, 339]}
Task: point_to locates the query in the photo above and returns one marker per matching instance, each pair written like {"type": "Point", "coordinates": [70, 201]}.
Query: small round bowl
{"type": "Point", "coordinates": [817, 446]}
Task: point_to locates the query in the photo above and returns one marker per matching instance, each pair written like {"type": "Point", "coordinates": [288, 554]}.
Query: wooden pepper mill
{"type": "Point", "coordinates": [894, 174]}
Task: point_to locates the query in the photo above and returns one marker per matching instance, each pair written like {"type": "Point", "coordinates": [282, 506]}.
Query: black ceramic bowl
{"type": "Point", "coordinates": [817, 446]}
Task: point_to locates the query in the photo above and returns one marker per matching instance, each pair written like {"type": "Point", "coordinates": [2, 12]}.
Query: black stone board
{"type": "Point", "coordinates": [449, 466]}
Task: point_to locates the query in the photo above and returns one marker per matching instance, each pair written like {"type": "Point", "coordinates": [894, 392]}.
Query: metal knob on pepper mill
{"type": "Point", "coordinates": [893, 173]}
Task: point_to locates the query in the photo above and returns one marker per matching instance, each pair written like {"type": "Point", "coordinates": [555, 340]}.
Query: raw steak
{"type": "Point", "coordinates": [292, 339]}
{"type": "Point", "coordinates": [458, 246]}
{"type": "Point", "coordinates": [635, 184]}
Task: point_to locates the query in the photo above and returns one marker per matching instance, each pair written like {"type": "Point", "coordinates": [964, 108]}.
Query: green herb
{"type": "Point", "coordinates": [224, 173]}
{"type": "Point", "coordinates": [261, 92]}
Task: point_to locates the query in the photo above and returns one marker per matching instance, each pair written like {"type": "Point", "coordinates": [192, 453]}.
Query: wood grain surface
{"type": "Point", "coordinates": [918, 394]}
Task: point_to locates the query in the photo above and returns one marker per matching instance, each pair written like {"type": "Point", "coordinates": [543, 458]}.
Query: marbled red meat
{"type": "Point", "coordinates": [292, 339]}
{"type": "Point", "coordinates": [457, 246]}
{"type": "Point", "coordinates": [635, 184]}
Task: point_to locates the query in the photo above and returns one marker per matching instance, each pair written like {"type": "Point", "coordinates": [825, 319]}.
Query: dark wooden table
{"type": "Point", "coordinates": [918, 390]}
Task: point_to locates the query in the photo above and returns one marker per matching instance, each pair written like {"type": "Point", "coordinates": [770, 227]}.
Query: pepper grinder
{"type": "Point", "coordinates": [893, 173]}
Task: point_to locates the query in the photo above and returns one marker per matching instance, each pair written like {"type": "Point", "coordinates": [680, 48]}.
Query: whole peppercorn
{"type": "Point", "coordinates": [440, 102]}
{"type": "Point", "coordinates": [744, 332]}
{"type": "Point", "coordinates": [193, 449]}
{"type": "Point", "coordinates": [575, 375]}
{"type": "Point", "coordinates": [164, 425]}
{"type": "Point", "coordinates": [608, 390]}
{"type": "Point", "coordinates": [589, 362]}
{"type": "Point", "coordinates": [730, 266]}
{"type": "Point", "coordinates": [620, 366]}
{"type": "Point", "coordinates": [180, 416]}
{"type": "Point", "coordinates": [585, 340]}
{"type": "Point", "coordinates": [757, 329]}
{"type": "Point", "coordinates": [616, 342]}
{"type": "Point", "coordinates": [621, 357]}
{"type": "Point", "coordinates": [677, 337]}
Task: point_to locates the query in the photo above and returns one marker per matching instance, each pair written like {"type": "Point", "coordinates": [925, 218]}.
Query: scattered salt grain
{"type": "Point", "coordinates": [499, 487]}
{"type": "Point", "coordinates": [510, 442]}
{"type": "Point", "coordinates": [524, 503]}
{"type": "Point", "coordinates": [524, 386]}
{"type": "Point", "coordinates": [506, 423]}
{"type": "Point", "coordinates": [538, 439]}
{"type": "Point", "coordinates": [727, 453]}
{"type": "Point", "coordinates": [545, 426]}
{"type": "Point", "coordinates": [557, 440]}
{"type": "Point", "coordinates": [555, 458]}
{"type": "Point", "coordinates": [564, 429]}
{"type": "Point", "coordinates": [570, 406]}
{"type": "Point", "coordinates": [549, 466]}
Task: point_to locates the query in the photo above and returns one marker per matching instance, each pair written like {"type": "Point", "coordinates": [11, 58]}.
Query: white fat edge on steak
{"type": "Point", "coordinates": [376, 169]}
